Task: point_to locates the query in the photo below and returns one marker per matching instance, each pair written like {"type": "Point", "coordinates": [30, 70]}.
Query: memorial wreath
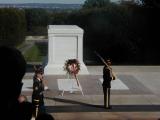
{"type": "Point", "coordinates": [72, 66]}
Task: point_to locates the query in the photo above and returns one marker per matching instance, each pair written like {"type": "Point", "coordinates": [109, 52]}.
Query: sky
{"type": "Point", "coordinates": [44, 1]}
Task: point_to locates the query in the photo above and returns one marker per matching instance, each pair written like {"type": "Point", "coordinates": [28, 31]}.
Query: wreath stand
{"type": "Point", "coordinates": [76, 87]}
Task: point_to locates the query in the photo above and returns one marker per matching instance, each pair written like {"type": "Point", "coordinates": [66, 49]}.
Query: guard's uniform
{"type": "Point", "coordinates": [106, 86]}
{"type": "Point", "coordinates": [37, 95]}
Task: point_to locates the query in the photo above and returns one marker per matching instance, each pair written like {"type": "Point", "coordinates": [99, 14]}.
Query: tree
{"type": "Point", "coordinates": [151, 3]}
{"type": "Point", "coordinates": [95, 3]}
{"type": "Point", "coordinates": [12, 26]}
{"type": "Point", "coordinates": [37, 20]}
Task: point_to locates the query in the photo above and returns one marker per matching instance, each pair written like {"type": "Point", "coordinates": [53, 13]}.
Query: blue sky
{"type": "Point", "coordinates": [43, 1]}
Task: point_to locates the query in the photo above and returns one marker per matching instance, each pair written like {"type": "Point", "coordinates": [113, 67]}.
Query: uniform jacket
{"type": "Point", "coordinates": [106, 77]}
{"type": "Point", "coordinates": [38, 89]}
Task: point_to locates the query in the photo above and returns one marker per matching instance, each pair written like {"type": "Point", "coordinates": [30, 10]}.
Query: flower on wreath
{"type": "Point", "coordinates": [72, 66]}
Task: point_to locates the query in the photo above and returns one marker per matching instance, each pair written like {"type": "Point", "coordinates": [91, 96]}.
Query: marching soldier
{"type": "Point", "coordinates": [37, 95]}
{"type": "Point", "coordinates": [107, 77]}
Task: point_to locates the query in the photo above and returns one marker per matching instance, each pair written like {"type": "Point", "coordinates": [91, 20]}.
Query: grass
{"type": "Point", "coordinates": [35, 54]}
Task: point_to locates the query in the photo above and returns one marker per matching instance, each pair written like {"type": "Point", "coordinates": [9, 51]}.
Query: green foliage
{"type": "Point", "coordinates": [96, 3]}
{"type": "Point", "coordinates": [125, 33]}
{"type": "Point", "coordinates": [59, 17]}
{"type": "Point", "coordinates": [37, 20]}
{"type": "Point", "coordinates": [118, 32]}
{"type": "Point", "coordinates": [36, 53]}
{"type": "Point", "coordinates": [12, 26]}
{"type": "Point", "coordinates": [151, 3]}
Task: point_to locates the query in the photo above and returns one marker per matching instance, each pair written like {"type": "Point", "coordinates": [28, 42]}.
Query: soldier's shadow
{"type": "Point", "coordinates": [76, 106]}
{"type": "Point", "coordinates": [73, 102]}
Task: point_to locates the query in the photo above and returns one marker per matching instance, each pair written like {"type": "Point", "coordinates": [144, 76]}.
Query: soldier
{"type": "Point", "coordinates": [107, 77]}
{"type": "Point", "coordinates": [37, 95]}
{"type": "Point", "coordinates": [39, 69]}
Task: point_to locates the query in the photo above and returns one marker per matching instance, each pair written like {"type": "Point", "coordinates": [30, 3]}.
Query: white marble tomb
{"type": "Point", "coordinates": [64, 42]}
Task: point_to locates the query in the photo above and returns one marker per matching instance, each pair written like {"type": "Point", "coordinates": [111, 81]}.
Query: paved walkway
{"type": "Point", "coordinates": [140, 101]}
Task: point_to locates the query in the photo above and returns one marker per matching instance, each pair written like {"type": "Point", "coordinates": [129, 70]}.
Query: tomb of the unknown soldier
{"type": "Point", "coordinates": [64, 42]}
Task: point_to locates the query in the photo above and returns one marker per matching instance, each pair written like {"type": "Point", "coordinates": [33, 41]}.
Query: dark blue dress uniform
{"type": "Point", "coordinates": [106, 86]}
{"type": "Point", "coordinates": [37, 96]}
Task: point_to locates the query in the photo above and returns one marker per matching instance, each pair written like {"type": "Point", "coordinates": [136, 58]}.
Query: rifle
{"type": "Point", "coordinates": [101, 59]}
{"type": "Point", "coordinates": [112, 73]}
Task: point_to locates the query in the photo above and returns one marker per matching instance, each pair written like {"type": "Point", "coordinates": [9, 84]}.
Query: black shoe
{"type": "Point", "coordinates": [110, 107]}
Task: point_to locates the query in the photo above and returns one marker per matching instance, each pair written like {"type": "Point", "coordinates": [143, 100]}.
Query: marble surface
{"type": "Point", "coordinates": [116, 84]}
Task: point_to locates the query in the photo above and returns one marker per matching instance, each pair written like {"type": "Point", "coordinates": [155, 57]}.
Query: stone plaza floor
{"type": "Point", "coordinates": [135, 95]}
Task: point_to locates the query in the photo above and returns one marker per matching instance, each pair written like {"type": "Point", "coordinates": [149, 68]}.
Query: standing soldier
{"type": "Point", "coordinates": [39, 69]}
{"type": "Point", "coordinates": [107, 77]}
{"type": "Point", "coordinates": [37, 95]}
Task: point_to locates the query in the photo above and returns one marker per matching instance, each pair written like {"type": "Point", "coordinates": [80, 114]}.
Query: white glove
{"type": "Point", "coordinates": [45, 87]}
